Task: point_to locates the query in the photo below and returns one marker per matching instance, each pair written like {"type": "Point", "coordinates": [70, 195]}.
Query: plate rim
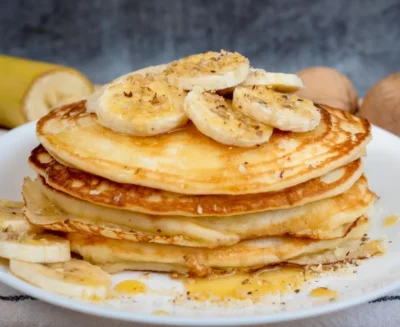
{"type": "Point", "coordinates": [72, 304]}
{"type": "Point", "coordinates": [115, 314]}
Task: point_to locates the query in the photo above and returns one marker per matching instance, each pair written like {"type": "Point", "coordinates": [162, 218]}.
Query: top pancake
{"type": "Point", "coordinates": [188, 162]}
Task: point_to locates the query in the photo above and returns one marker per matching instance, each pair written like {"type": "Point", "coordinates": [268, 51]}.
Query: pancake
{"type": "Point", "coordinates": [324, 219]}
{"type": "Point", "coordinates": [186, 161]}
{"type": "Point", "coordinates": [142, 199]}
{"type": "Point", "coordinates": [117, 255]}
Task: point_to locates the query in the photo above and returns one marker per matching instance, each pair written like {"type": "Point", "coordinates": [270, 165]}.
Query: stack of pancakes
{"type": "Point", "coordinates": [182, 202]}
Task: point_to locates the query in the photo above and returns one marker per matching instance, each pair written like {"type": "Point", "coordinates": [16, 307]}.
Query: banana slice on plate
{"type": "Point", "coordinates": [43, 248]}
{"type": "Point", "coordinates": [12, 220]}
{"type": "Point", "coordinates": [75, 278]}
{"type": "Point", "coordinates": [210, 70]}
{"type": "Point", "coordinates": [18, 238]}
{"type": "Point", "coordinates": [286, 112]}
{"type": "Point", "coordinates": [215, 117]}
{"type": "Point", "coordinates": [285, 83]}
{"type": "Point", "coordinates": [140, 105]}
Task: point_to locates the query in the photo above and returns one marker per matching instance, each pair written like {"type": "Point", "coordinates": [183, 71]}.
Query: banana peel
{"type": "Point", "coordinates": [30, 89]}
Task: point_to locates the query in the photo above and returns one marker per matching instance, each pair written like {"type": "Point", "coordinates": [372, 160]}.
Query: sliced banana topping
{"type": "Point", "coordinates": [286, 112]}
{"type": "Point", "coordinates": [93, 99]}
{"type": "Point", "coordinates": [151, 100]}
{"type": "Point", "coordinates": [210, 70]}
{"type": "Point", "coordinates": [141, 105]}
{"type": "Point", "coordinates": [286, 83]}
{"type": "Point", "coordinates": [153, 70]}
{"type": "Point", "coordinates": [215, 117]}
{"type": "Point", "coordinates": [75, 278]}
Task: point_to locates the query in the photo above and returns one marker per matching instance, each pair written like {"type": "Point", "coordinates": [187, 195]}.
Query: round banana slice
{"type": "Point", "coordinates": [19, 239]}
{"type": "Point", "coordinates": [215, 117]}
{"type": "Point", "coordinates": [140, 105]}
{"type": "Point", "coordinates": [41, 248]}
{"type": "Point", "coordinates": [75, 278]}
{"type": "Point", "coordinates": [286, 83]}
{"type": "Point", "coordinates": [92, 99]}
{"type": "Point", "coordinates": [286, 112]}
{"type": "Point", "coordinates": [154, 70]}
{"type": "Point", "coordinates": [12, 220]}
{"type": "Point", "coordinates": [210, 70]}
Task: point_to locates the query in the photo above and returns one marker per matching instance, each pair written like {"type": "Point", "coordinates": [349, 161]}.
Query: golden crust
{"type": "Point", "coordinates": [325, 219]}
{"type": "Point", "coordinates": [102, 191]}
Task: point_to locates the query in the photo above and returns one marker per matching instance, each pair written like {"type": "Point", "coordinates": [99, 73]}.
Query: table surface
{"type": "Point", "coordinates": [20, 310]}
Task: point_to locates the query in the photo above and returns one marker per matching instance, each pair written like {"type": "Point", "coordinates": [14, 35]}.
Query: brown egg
{"type": "Point", "coordinates": [381, 104]}
{"type": "Point", "coordinates": [324, 85]}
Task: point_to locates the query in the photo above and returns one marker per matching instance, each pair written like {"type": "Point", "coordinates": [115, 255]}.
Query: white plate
{"type": "Point", "coordinates": [375, 277]}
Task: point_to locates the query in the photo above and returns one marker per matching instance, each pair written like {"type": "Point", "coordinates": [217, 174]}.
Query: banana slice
{"type": "Point", "coordinates": [286, 83]}
{"type": "Point", "coordinates": [12, 220]}
{"type": "Point", "coordinates": [215, 117]}
{"type": "Point", "coordinates": [92, 99]}
{"type": "Point", "coordinates": [75, 278]}
{"type": "Point", "coordinates": [154, 70]}
{"type": "Point", "coordinates": [140, 105]}
{"type": "Point", "coordinates": [18, 238]}
{"type": "Point", "coordinates": [210, 70]}
{"type": "Point", "coordinates": [43, 248]}
{"type": "Point", "coordinates": [286, 112]}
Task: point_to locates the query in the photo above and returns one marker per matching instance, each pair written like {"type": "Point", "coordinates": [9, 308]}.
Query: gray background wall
{"type": "Point", "coordinates": [106, 38]}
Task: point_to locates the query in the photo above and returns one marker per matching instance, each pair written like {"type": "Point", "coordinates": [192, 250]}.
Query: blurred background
{"type": "Point", "coordinates": [104, 38]}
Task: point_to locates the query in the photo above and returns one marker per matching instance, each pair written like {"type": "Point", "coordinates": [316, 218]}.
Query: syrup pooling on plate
{"type": "Point", "coordinates": [242, 286]}
{"type": "Point", "coordinates": [130, 287]}
{"type": "Point", "coordinates": [390, 220]}
{"type": "Point", "coordinates": [324, 292]}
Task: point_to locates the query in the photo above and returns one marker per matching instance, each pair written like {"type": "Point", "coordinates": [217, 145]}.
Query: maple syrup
{"type": "Point", "coordinates": [130, 287]}
{"type": "Point", "coordinates": [390, 221]}
{"type": "Point", "coordinates": [243, 286]}
{"type": "Point", "coordinates": [324, 292]}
